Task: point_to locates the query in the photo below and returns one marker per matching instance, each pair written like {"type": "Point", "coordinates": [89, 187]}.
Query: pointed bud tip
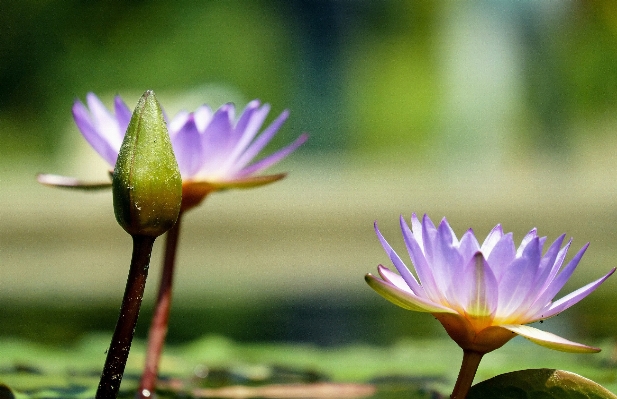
{"type": "Point", "coordinates": [146, 183]}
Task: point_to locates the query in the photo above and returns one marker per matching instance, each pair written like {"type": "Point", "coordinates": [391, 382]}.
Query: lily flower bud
{"type": "Point", "coordinates": [146, 182]}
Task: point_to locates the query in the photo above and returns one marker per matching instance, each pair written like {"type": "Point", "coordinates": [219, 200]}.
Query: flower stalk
{"type": "Point", "coordinates": [120, 346]}
{"type": "Point", "coordinates": [160, 319]}
{"type": "Point", "coordinates": [469, 367]}
{"type": "Point", "coordinates": [214, 152]}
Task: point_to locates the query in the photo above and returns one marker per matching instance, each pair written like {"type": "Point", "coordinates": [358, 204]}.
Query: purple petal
{"type": "Point", "coordinates": [447, 233]}
{"type": "Point", "coordinates": [516, 283]}
{"type": "Point", "coordinates": [429, 236]}
{"type": "Point", "coordinates": [123, 115]}
{"type": "Point", "coordinates": [393, 278]}
{"type": "Point", "coordinates": [104, 122]}
{"type": "Point", "coordinates": [274, 158]}
{"type": "Point", "coordinates": [399, 264]}
{"type": "Point", "coordinates": [549, 340]}
{"type": "Point", "coordinates": [404, 299]}
{"type": "Point", "coordinates": [542, 241]}
{"type": "Point", "coordinates": [491, 240]}
{"type": "Point", "coordinates": [98, 142]}
{"type": "Point", "coordinates": [468, 246]}
{"type": "Point", "coordinates": [259, 143]}
{"type": "Point", "coordinates": [561, 256]}
{"type": "Point", "coordinates": [247, 127]}
{"type": "Point", "coordinates": [425, 274]}
{"type": "Point", "coordinates": [533, 233]}
{"type": "Point", "coordinates": [188, 149]}
{"type": "Point", "coordinates": [477, 288]}
{"type": "Point", "coordinates": [542, 298]}
{"type": "Point", "coordinates": [216, 139]}
{"type": "Point", "coordinates": [561, 279]}
{"type": "Point", "coordinates": [203, 115]}
{"type": "Point", "coordinates": [250, 122]}
{"type": "Point", "coordinates": [447, 263]}
{"type": "Point", "coordinates": [502, 255]}
{"type": "Point", "coordinates": [548, 261]}
{"type": "Point", "coordinates": [416, 227]}
{"type": "Point", "coordinates": [571, 299]}
{"type": "Point", "coordinates": [177, 123]}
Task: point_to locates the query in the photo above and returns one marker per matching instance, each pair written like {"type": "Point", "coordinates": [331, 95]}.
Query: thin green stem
{"type": "Point", "coordinates": [122, 338]}
{"type": "Point", "coordinates": [471, 361]}
{"type": "Point", "coordinates": [158, 327]}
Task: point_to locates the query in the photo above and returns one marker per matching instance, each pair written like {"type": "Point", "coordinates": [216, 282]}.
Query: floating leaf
{"type": "Point", "coordinates": [541, 384]}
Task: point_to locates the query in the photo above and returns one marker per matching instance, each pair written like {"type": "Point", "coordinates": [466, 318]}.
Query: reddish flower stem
{"type": "Point", "coordinates": [158, 327]}
{"type": "Point", "coordinates": [471, 361]}
{"type": "Point", "coordinates": [122, 338]}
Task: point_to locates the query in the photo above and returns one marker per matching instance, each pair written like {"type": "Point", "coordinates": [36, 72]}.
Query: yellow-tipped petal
{"type": "Point", "coordinates": [550, 340]}
{"type": "Point", "coordinates": [70, 182]}
{"type": "Point", "coordinates": [194, 191]}
{"type": "Point", "coordinates": [406, 300]}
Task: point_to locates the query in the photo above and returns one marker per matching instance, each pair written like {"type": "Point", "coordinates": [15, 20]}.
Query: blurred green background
{"type": "Point", "coordinates": [484, 112]}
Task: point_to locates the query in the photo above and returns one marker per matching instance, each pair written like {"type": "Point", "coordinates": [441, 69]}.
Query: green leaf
{"type": "Point", "coordinates": [540, 384]}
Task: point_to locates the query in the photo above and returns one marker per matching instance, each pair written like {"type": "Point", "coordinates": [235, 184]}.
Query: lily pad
{"type": "Point", "coordinates": [539, 384]}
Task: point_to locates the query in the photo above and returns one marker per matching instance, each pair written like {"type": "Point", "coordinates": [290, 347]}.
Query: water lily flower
{"type": "Point", "coordinates": [485, 294]}
{"type": "Point", "coordinates": [214, 151]}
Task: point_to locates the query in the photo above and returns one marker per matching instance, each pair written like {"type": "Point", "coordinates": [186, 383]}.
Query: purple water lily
{"type": "Point", "coordinates": [482, 294]}
{"type": "Point", "coordinates": [214, 151]}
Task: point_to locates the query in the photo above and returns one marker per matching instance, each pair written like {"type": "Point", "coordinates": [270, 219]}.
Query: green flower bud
{"type": "Point", "coordinates": [146, 183]}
